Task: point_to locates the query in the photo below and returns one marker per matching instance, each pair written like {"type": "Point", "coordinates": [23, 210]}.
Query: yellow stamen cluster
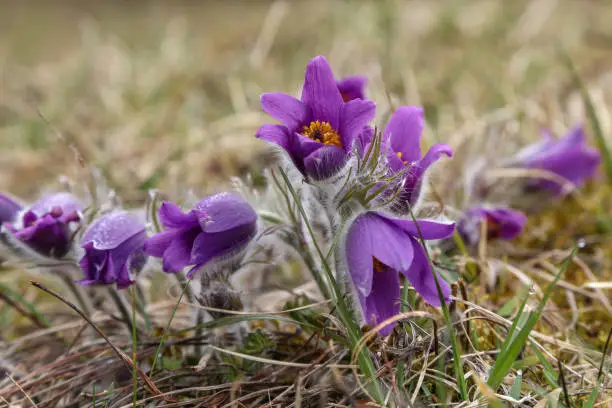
{"type": "Point", "coordinates": [322, 132]}
{"type": "Point", "coordinates": [399, 154]}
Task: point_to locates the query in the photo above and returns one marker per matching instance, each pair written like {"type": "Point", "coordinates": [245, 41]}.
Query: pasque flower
{"type": "Point", "coordinates": [569, 157]}
{"type": "Point", "coordinates": [8, 209]}
{"type": "Point", "coordinates": [352, 87]}
{"type": "Point", "coordinates": [114, 250]}
{"type": "Point", "coordinates": [501, 223]}
{"type": "Point", "coordinates": [402, 140]}
{"type": "Point", "coordinates": [317, 131]}
{"type": "Point", "coordinates": [45, 226]}
{"type": "Point", "coordinates": [378, 248]}
{"type": "Point", "coordinates": [217, 227]}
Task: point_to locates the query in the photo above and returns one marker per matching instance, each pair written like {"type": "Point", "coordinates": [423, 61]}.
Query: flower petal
{"type": "Point", "coordinates": [172, 216]}
{"type": "Point", "coordinates": [428, 228]}
{"type": "Point", "coordinates": [421, 277]}
{"type": "Point", "coordinates": [433, 154]}
{"type": "Point", "coordinates": [359, 255]}
{"type": "Point", "coordinates": [383, 301]}
{"type": "Point", "coordinates": [354, 116]}
{"type": "Point", "coordinates": [8, 208]}
{"type": "Point", "coordinates": [111, 230]}
{"type": "Point", "coordinates": [320, 92]}
{"type": "Point", "coordinates": [178, 254]}
{"type": "Point", "coordinates": [404, 131]}
{"type": "Point", "coordinates": [158, 243]}
{"type": "Point", "coordinates": [285, 108]}
{"type": "Point", "coordinates": [325, 162]}
{"type": "Point", "coordinates": [224, 211]}
{"type": "Point", "coordinates": [352, 87]}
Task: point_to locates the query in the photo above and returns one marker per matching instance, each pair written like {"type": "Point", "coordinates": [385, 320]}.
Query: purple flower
{"type": "Point", "coordinates": [402, 137]}
{"type": "Point", "coordinates": [502, 223]}
{"type": "Point", "coordinates": [352, 87]}
{"type": "Point", "coordinates": [569, 157]}
{"type": "Point", "coordinates": [217, 227]}
{"type": "Point", "coordinates": [114, 250]}
{"type": "Point", "coordinates": [45, 226]}
{"type": "Point", "coordinates": [377, 249]}
{"type": "Point", "coordinates": [317, 131]}
{"type": "Point", "coordinates": [8, 209]}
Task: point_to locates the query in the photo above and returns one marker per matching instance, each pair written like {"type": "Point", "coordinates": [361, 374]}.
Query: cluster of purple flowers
{"type": "Point", "coordinates": [324, 135]}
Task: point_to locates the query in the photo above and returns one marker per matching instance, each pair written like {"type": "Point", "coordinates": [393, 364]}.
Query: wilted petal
{"type": "Point", "coordinates": [421, 277]}
{"type": "Point", "coordinates": [320, 92]}
{"type": "Point", "coordinates": [285, 108]}
{"type": "Point", "coordinates": [404, 132]}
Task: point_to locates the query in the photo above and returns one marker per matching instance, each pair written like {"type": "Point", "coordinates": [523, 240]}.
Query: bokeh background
{"type": "Point", "coordinates": [160, 94]}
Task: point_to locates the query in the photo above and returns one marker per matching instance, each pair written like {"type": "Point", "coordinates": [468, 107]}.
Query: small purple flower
{"type": "Point", "coordinates": [352, 87]}
{"type": "Point", "coordinates": [114, 250]}
{"type": "Point", "coordinates": [217, 227]}
{"type": "Point", "coordinates": [569, 157]}
{"type": "Point", "coordinates": [377, 249]}
{"type": "Point", "coordinates": [8, 209]}
{"type": "Point", "coordinates": [317, 131]}
{"type": "Point", "coordinates": [402, 136]}
{"type": "Point", "coordinates": [45, 226]}
{"type": "Point", "coordinates": [502, 223]}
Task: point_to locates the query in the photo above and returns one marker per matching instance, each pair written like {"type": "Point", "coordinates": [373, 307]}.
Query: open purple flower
{"type": "Point", "coordinates": [569, 157]}
{"type": "Point", "coordinates": [317, 131]}
{"type": "Point", "coordinates": [352, 87]}
{"type": "Point", "coordinates": [45, 226]}
{"type": "Point", "coordinates": [217, 227]}
{"type": "Point", "coordinates": [8, 209]}
{"type": "Point", "coordinates": [114, 250]}
{"type": "Point", "coordinates": [502, 223]}
{"type": "Point", "coordinates": [378, 248]}
{"type": "Point", "coordinates": [402, 137]}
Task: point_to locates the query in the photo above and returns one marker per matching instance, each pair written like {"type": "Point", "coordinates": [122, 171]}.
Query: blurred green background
{"type": "Point", "coordinates": [166, 93]}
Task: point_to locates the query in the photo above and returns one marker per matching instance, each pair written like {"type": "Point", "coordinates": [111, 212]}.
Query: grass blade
{"type": "Point", "coordinates": [514, 343]}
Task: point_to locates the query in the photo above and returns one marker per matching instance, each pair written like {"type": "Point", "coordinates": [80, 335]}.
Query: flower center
{"type": "Point", "coordinates": [322, 132]}
{"type": "Point", "coordinates": [493, 227]}
{"type": "Point", "coordinates": [378, 266]}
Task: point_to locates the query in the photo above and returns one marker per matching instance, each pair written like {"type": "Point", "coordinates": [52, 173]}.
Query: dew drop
{"type": "Point", "coordinates": [581, 243]}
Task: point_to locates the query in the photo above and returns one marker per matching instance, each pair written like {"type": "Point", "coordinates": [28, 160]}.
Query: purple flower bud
{"type": "Point", "coordinates": [502, 223]}
{"type": "Point", "coordinates": [378, 248]}
{"type": "Point", "coordinates": [569, 157]}
{"type": "Point", "coordinates": [352, 87]}
{"type": "Point", "coordinates": [8, 209]}
{"type": "Point", "coordinates": [317, 131]}
{"type": "Point", "coordinates": [45, 226]}
{"type": "Point", "coordinates": [217, 227]}
{"type": "Point", "coordinates": [114, 250]}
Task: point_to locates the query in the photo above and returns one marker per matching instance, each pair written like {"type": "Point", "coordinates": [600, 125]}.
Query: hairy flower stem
{"type": "Point", "coordinates": [180, 277]}
{"type": "Point", "coordinates": [141, 306]}
{"type": "Point", "coordinates": [125, 315]}
{"type": "Point", "coordinates": [77, 292]}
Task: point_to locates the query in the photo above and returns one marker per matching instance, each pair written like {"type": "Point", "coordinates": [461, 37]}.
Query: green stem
{"type": "Point", "coordinates": [134, 350]}
{"type": "Point", "coordinates": [122, 309]}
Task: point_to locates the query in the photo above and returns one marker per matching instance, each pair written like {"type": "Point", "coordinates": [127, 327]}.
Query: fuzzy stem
{"type": "Point", "coordinates": [141, 306]}
{"type": "Point", "coordinates": [121, 307]}
{"type": "Point", "coordinates": [77, 292]}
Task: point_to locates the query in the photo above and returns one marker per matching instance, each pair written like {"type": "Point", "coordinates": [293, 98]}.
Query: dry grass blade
{"type": "Point", "coordinates": [131, 365]}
